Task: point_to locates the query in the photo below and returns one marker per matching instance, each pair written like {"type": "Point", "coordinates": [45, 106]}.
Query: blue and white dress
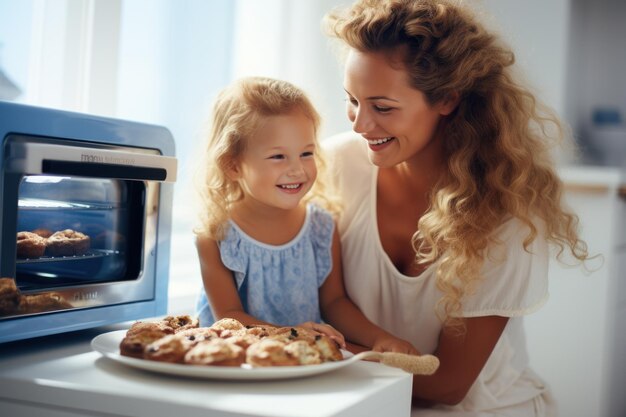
{"type": "Point", "coordinates": [278, 284]}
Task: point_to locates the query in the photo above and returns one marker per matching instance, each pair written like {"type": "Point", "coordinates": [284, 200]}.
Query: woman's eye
{"type": "Point", "coordinates": [382, 109]}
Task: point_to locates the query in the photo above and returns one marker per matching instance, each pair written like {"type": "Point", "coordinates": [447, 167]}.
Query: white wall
{"type": "Point", "coordinates": [537, 30]}
{"type": "Point", "coordinates": [283, 39]}
{"type": "Point", "coordinates": [173, 58]}
{"type": "Point", "coordinates": [13, 56]}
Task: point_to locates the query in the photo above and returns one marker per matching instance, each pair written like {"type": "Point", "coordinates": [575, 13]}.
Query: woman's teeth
{"type": "Point", "coordinates": [379, 141]}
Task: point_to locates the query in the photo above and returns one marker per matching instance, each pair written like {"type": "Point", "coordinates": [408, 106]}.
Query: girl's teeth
{"type": "Point", "coordinates": [378, 141]}
{"type": "Point", "coordinates": [290, 186]}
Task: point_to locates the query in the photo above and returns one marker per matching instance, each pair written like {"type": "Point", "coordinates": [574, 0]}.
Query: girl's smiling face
{"type": "Point", "coordinates": [278, 166]}
{"type": "Point", "coordinates": [396, 119]}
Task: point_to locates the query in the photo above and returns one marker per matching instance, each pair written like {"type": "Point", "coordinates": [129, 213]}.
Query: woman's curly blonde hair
{"type": "Point", "coordinates": [238, 112]}
{"type": "Point", "coordinates": [497, 141]}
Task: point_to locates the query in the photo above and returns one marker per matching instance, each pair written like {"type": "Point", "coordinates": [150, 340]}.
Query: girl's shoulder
{"type": "Point", "coordinates": [321, 225]}
{"type": "Point", "coordinates": [317, 213]}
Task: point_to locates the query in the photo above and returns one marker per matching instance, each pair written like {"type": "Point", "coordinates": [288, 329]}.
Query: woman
{"type": "Point", "coordinates": [451, 200]}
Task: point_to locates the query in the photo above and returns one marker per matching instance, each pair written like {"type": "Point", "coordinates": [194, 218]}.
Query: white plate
{"type": "Point", "coordinates": [107, 344]}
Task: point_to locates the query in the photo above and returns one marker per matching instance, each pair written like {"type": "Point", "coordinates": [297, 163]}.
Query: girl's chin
{"type": "Point", "coordinates": [289, 202]}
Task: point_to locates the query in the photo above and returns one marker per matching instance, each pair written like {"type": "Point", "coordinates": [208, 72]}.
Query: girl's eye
{"type": "Point", "coordinates": [307, 154]}
{"type": "Point", "coordinates": [277, 156]}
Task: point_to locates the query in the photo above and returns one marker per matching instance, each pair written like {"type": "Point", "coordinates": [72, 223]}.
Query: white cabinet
{"type": "Point", "coordinates": [577, 342]}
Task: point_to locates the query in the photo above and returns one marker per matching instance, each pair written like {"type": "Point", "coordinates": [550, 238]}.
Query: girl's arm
{"type": "Point", "coordinates": [461, 358]}
{"type": "Point", "coordinates": [219, 284]}
{"type": "Point", "coordinates": [339, 311]}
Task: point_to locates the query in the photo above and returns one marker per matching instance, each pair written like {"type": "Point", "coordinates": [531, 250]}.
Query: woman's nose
{"type": "Point", "coordinates": [362, 122]}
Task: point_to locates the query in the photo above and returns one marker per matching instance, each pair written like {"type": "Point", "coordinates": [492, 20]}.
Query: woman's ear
{"type": "Point", "coordinates": [448, 104]}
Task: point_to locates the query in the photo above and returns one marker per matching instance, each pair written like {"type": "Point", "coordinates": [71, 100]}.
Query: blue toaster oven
{"type": "Point", "coordinates": [85, 220]}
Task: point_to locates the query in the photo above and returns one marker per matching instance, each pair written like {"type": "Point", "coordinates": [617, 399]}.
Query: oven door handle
{"type": "Point", "coordinates": [102, 170]}
{"type": "Point", "coordinates": [50, 159]}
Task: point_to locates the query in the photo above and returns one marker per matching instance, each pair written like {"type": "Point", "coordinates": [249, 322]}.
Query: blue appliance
{"type": "Point", "coordinates": [99, 186]}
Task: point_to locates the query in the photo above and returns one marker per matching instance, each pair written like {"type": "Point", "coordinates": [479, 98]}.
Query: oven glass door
{"type": "Point", "coordinates": [92, 229]}
{"type": "Point", "coordinates": [97, 209]}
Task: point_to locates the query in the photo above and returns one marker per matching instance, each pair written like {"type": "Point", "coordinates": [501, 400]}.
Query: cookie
{"type": "Point", "coordinates": [328, 348]}
{"type": "Point", "coordinates": [216, 352]}
{"type": "Point", "coordinates": [179, 323]}
{"type": "Point", "coordinates": [43, 232]}
{"type": "Point", "coordinates": [291, 334]}
{"type": "Point", "coordinates": [268, 352]}
{"type": "Point", "coordinates": [227, 324]}
{"type": "Point", "coordinates": [135, 344]}
{"type": "Point", "coordinates": [142, 326]}
{"type": "Point", "coordinates": [241, 338]}
{"type": "Point", "coordinates": [9, 296]}
{"type": "Point", "coordinates": [39, 303]}
{"type": "Point", "coordinates": [260, 330]}
{"type": "Point", "coordinates": [30, 245]}
{"type": "Point", "coordinates": [171, 348]}
{"type": "Point", "coordinates": [199, 334]}
{"type": "Point", "coordinates": [303, 352]}
{"type": "Point", "coordinates": [67, 242]}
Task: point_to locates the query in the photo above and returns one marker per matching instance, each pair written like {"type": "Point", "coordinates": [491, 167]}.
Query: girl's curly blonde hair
{"type": "Point", "coordinates": [497, 141]}
{"type": "Point", "coordinates": [238, 112]}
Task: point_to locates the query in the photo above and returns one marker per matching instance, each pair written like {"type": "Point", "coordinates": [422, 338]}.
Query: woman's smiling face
{"type": "Point", "coordinates": [395, 118]}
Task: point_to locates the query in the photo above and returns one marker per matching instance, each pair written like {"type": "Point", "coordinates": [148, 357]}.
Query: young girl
{"type": "Point", "coordinates": [269, 253]}
{"type": "Point", "coordinates": [451, 197]}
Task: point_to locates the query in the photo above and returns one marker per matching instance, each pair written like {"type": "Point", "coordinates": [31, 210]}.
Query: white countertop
{"type": "Point", "coordinates": [61, 376]}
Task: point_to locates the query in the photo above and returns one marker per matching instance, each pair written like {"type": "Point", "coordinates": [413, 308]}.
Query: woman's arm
{"type": "Point", "coordinates": [219, 284]}
{"type": "Point", "coordinates": [461, 358]}
{"type": "Point", "coordinates": [339, 311]}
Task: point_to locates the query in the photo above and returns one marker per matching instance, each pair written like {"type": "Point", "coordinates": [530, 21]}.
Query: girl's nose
{"type": "Point", "coordinates": [295, 169]}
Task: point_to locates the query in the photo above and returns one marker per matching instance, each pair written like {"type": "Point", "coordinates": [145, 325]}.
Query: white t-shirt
{"type": "Point", "coordinates": [405, 305]}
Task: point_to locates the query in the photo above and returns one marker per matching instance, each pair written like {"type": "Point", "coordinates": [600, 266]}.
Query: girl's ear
{"type": "Point", "coordinates": [233, 171]}
{"type": "Point", "coordinates": [448, 104]}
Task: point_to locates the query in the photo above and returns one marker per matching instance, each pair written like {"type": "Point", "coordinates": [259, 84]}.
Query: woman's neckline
{"type": "Point", "coordinates": [378, 241]}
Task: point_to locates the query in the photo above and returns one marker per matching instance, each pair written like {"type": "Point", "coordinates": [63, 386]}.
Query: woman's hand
{"type": "Point", "coordinates": [327, 330]}
{"type": "Point", "coordinates": [389, 343]}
